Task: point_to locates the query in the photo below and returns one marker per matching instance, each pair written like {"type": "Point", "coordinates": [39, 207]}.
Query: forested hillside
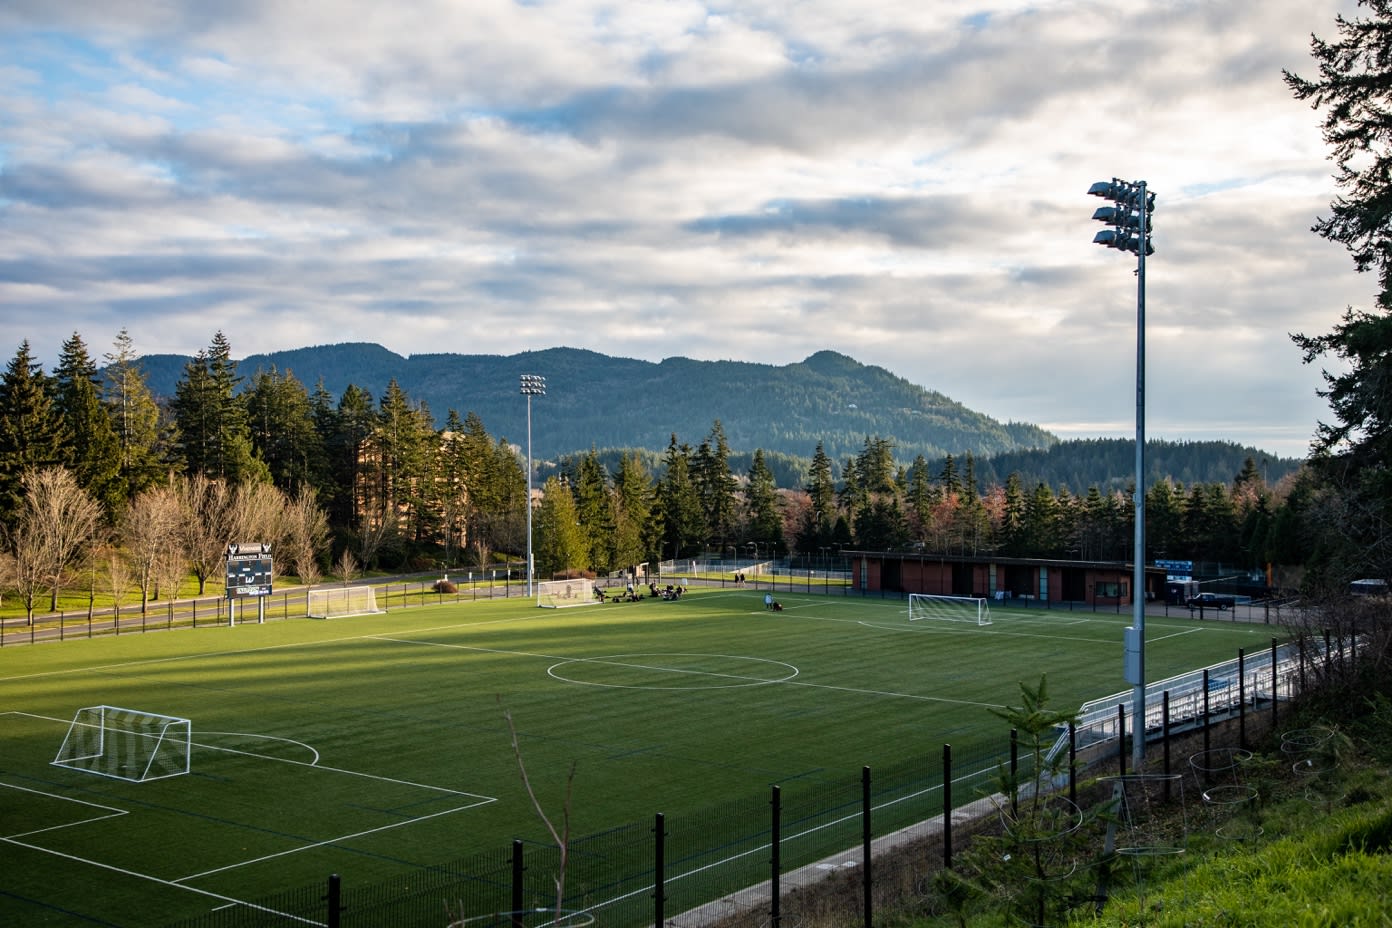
{"type": "Point", "coordinates": [596, 401]}
{"type": "Point", "coordinates": [620, 404]}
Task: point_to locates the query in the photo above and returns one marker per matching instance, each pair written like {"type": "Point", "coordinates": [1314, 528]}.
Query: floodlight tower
{"type": "Point", "coordinates": [1129, 218]}
{"type": "Point", "coordinates": [532, 385]}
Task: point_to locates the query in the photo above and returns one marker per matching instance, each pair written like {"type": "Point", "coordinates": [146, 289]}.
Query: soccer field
{"type": "Point", "coordinates": [376, 745]}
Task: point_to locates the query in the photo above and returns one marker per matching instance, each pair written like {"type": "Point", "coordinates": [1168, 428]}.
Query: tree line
{"type": "Point", "coordinates": [107, 486]}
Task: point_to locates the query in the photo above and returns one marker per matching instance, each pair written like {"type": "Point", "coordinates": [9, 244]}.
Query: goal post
{"type": "Point", "coordinates": [932, 606]}
{"type": "Point", "coordinates": [562, 594]}
{"type": "Point", "coordinates": [338, 601]}
{"type": "Point", "coordinates": [126, 744]}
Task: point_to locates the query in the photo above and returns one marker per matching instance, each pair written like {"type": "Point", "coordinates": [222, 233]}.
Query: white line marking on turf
{"type": "Point", "coordinates": [328, 841]}
{"type": "Point", "coordinates": [114, 812]}
{"type": "Point", "coordinates": [232, 900]}
{"type": "Point", "coordinates": [246, 734]}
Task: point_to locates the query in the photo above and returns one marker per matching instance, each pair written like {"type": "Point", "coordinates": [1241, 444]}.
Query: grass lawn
{"type": "Point", "coordinates": [374, 745]}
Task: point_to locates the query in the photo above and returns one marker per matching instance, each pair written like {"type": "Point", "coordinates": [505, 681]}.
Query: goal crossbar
{"type": "Point", "coordinates": [943, 608]}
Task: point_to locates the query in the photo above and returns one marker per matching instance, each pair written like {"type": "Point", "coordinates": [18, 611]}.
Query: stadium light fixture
{"type": "Point", "coordinates": [532, 385]}
{"type": "Point", "coordinates": [1129, 218]}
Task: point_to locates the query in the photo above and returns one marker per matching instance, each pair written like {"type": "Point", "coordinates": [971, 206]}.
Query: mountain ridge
{"type": "Point", "coordinates": [597, 400]}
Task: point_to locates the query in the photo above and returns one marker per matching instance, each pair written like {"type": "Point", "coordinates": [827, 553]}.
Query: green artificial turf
{"type": "Point", "coordinates": [372, 746]}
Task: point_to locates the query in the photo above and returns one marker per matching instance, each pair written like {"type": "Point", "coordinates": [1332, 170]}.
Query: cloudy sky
{"type": "Point", "coordinates": [903, 181]}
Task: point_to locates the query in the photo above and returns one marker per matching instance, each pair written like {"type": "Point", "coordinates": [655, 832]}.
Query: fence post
{"type": "Point", "coordinates": [659, 869]}
{"type": "Point", "coordinates": [334, 901]}
{"type": "Point", "coordinates": [1073, 763]}
{"type": "Point", "coordinates": [1165, 737]}
{"type": "Point", "coordinates": [775, 858]}
{"type": "Point", "coordinates": [1014, 771]}
{"type": "Point", "coordinates": [1275, 682]}
{"type": "Point", "coordinates": [1205, 710]}
{"type": "Point", "coordinates": [515, 904]}
{"type": "Point", "coordinates": [1241, 700]}
{"type": "Point", "coordinates": [947, 806]}
{"type": "Point", "coordinates": [1121, 736]}
{"type": "Point", "coordinates": [865, 841]}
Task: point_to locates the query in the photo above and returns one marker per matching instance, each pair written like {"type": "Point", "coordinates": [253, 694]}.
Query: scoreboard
{"type": "Point", "coordinates": [249, 570]}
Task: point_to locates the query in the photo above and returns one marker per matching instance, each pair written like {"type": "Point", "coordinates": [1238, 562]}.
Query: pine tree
{"type": "Point", "coordinates": [144, 433]}
{"type": "Point", "coordinates": [214, 438]}
{"type": "Point", "coordinates": [92, 450]}
{"type": "Point", "coordinates": [765, 513]}
{"type": "Point", "coordinates": [633, 502]}
{"type": "Point", "coordinates": [594, 508]}
{"type": "Point", "coordinates": [1354, 88]}
{"type": "Point", "coordinates": [281, 425]}
{"type": "Point", "coordinates": [679, 505]}
{"type": "Point", "coordinates": [710, 472]}
{"type": "Point", "coordinates": [32, 435]}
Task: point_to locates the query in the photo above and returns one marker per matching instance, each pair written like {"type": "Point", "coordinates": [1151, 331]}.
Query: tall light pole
{"type": "Point", "coordinates": [1129, 218]}
{"type": "Point", "coordinates": [532, 385]}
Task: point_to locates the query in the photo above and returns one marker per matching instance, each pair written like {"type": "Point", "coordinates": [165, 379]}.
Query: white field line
{"type": "Point", "coordinates": [113, 812]}
{"type": "Point", "coordinates": [481, 800]}
{"type": "Point", "coordinates": [329, 841]}
{"type": "Point", "coordinates": [788, 682]}
{"type": "Point", "coordinates": [1178, 634]}
{"type": "Point", "coordinates": [154, 661]}
{"type": "Point", "coordinates": [231, 900]}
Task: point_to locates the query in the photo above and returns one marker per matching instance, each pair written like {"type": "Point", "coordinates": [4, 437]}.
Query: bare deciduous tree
{"type": "Point", "coordinates": [348, 568]}
{"type": "Point", "coordinates": [24, 563]}
{"type": "Point", "coordinates": [150, 532]}
{"type": "Point", "coordinates": [53, 529]}
{"type": "Point", "coordinates": [306, 533]}
{"type": "Point", "coordinates": [207, 522]}
{"type": "Point", "coordinates": [111, 570]}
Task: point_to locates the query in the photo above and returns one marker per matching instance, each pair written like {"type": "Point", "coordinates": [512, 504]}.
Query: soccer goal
{"type": "Point", "coordinates": [973, 609]}
{"type": "Point", "coordinates": [336, 601]}
{"type": "Point", "coordinates": [125, 744]}
{"type": "Point", "coordinates": [560, 594]}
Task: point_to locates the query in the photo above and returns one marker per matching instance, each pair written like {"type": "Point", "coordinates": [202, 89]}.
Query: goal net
{"type": "Point", "coordinates": [974, 609]}
{"type": "Point", "coordinates": [125, 744]}
{"type": "Point", "coordinates": [560, 594]}
{"type": "Point", "coordinates": [333, 602]}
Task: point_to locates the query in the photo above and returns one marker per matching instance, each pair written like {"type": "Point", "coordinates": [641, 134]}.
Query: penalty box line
{"type": "Point", "coordinates": [231, 900]}
{"type": "Point", "coordinates": [480, 800]}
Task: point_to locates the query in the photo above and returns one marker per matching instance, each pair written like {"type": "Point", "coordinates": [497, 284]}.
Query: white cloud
{"type": "Point", "coordinates": [900, 181]}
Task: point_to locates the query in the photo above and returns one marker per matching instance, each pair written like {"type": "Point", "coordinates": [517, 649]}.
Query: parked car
{"type": "Point", "coordinates": [1211, 601]}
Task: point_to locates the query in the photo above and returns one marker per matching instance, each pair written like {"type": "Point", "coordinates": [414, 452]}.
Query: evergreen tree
{"type": "Point", "coordinates": [710, 472]}
{"type": "Point", "coordinates": [348, 447]}
{"type": "Point", "coordinates": [32, 435]}
{"type": "Point", "coordinates": [405, 440]}
{"type": "Point", "coordinates": [679, 505]}
{"type": "Point", "coordinates": [765, 513]}
{"type": "Point", "coordinates": [1013, 533]}
{"type": "Point", "coordinates": [214, 438]}
{"type": "Point", "coordinates": [144, 433]}
{"type": "Point", "coordinates": [633, 503]}
{"type": "Point", "coordinates": [1354, 88]}
{"type": "Point", "coordinates": [559, 544]}
{"type": "Point", "coordinates": [281, 423]}
{"type": "Point", "coordinates": [92, 450]}
{"type": "Point", "coordinates": [595, 510]}
{"type": "Point", "coordinates": [816, 532]}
